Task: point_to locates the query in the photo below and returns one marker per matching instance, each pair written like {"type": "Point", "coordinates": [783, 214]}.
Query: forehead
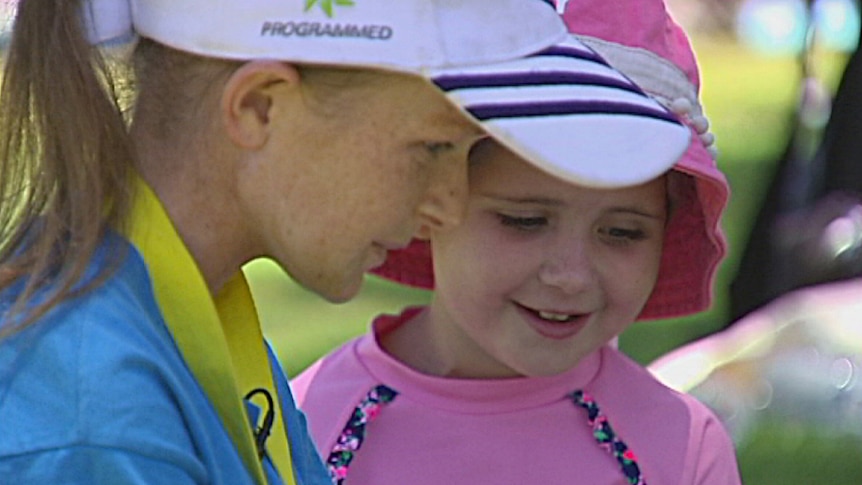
{"type": "Point", "coordinates": [497, 172]}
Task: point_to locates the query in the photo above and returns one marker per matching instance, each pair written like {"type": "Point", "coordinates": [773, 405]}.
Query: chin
{"type": "Point", "coordinates": [334, 290]}
{"type": "Point", "coordinates": [340, 298]}
{"type": "Point", "coordinates": [344, 293]}
{"type": "Point", "coordinates": [548, 372]}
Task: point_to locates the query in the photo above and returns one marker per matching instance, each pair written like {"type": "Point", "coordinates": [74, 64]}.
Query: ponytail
{"type": "Point", "coordinates": [65, 160]}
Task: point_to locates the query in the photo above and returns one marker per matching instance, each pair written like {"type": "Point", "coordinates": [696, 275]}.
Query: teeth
{"type": "Point", "coordinates": [557, 317]}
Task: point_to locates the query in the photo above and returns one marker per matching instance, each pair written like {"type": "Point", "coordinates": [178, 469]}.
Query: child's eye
{"type": "Point", "coordinates": [622, 235]}
{"type": "Point", "coordinates": [523, 223]}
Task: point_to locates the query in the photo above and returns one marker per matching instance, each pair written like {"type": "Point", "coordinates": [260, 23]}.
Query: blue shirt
{"type": "Point", "coordinates": [97, 392]}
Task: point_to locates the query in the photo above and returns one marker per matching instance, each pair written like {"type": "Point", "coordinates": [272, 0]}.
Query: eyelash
{"type": "Point", "coordinates": [615, 234]}
{"type": "Point", "coordinates": [436, 148]}
{"type": "Point", "coordinates": [522, 223]}
{"type": "Point", "coordinates": [623, 236]}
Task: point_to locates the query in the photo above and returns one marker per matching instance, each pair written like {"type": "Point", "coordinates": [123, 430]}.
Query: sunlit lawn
{"type": "Point", "coordinates": [749, 100]}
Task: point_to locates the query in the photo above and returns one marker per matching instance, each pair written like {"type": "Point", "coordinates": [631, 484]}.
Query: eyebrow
{"type": "Point", "coordinates": [525, 200]}
{"type": "Point", "coordinates": [638, 212]}
{"type": "Point", "coordinates": [548, 202]}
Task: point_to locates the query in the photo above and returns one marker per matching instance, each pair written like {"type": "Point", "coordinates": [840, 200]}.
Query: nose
{"type": "Point", "coordinates": [445, 200]}
{"type": "Point", "coordinates": [568, 266]}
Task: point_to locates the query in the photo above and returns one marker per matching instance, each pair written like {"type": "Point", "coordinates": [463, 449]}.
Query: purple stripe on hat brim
{"type": "Point", "coordinates": [484, 112]}
{"type": "Point", "coordinates": [544, 78]}
{"type": "Point", "coordinates": [566, 51]}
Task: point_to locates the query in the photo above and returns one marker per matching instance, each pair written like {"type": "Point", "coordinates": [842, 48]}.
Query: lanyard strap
{"type": "Point", "coordinates": [353, 434]}
{"type": "Point", "coordinates": [251, 363]}
{"type": "Point", "coordinates": [222, 356]}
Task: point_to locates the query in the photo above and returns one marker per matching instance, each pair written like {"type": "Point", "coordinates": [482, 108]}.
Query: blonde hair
{"type": "Point", "coordinates": [177, 92]}
{"type": "Point", "coordinates": [65, 157]}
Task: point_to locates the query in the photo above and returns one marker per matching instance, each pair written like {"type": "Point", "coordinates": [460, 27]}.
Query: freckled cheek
{"type": "Point", "coordinates": [655, 257]}
{"type": "Point", "coordinates": [636, 290]}
{"type": "Point", "coordinates": [633, 275]}
{"type": "Point", "coordinates": [507, 267]}
{"type": "Point", "coordinates": [413, 188]}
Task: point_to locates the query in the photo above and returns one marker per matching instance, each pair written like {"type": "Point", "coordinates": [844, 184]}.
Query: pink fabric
{"type": "Point", "coordinates": [510, 431]}
{"type": "Point", "coordinates": [635, 23]}
{"type": "Point", "coordinates": [694, 244]}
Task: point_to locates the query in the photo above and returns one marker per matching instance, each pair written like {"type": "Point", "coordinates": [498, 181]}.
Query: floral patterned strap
{"type": "Point", "coordinates": [353, 433]}
{"type": "Point", "coordinates": [608, 439]}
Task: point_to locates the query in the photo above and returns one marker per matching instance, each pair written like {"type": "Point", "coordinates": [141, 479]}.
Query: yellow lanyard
{"type": "Point", "coordinates": [220, 339]}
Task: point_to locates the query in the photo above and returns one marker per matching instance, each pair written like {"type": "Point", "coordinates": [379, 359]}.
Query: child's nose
{"type": "Point", "coordinates": [569, 267]}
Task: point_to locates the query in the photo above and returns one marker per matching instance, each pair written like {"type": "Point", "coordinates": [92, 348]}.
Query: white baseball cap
{"type": "Point", "coordinates": [509, 65]}
{"type": "Point", "coordinates": [399, 35]}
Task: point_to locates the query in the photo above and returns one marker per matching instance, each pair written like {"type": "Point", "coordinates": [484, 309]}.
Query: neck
{"type": "Point", "coordinates": [198, 196]}
{"type": "Point", "coordinates": [433, 344]}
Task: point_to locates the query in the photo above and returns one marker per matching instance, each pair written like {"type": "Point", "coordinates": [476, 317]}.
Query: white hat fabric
{"type": "Point", "coordinates": [508, 64]}
{"type": "Point", "coordinates": [400, 35]}
{"type": "Point", "coordinates": [572, 115]}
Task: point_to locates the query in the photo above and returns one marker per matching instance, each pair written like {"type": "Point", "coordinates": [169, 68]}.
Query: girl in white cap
{"type": "Point", "coordinates": [510, 375]}
{"type": "Point", "coordinates": [317, 133]}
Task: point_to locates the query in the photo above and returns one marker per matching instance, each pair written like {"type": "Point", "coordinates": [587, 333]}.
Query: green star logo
{"type": "Point", "coordinates": [328, 6]}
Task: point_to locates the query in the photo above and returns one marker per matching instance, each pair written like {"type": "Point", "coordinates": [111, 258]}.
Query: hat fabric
{"type": "Point", "coordinates": [403, 35]}
{"type": "Point", "coordinates": [566, 100]}
{"type": "Point", "coordinates": [639, 38]}
{"type": "Point", "coordinates": [532, 86]}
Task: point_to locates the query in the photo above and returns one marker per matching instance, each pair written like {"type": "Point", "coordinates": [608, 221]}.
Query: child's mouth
{"type": "Point", "coordinates": [555, 317]}
{"type": "Point", "coordinates": [549, 315]}
{"type": "Point", "coordinates": [553, 324]}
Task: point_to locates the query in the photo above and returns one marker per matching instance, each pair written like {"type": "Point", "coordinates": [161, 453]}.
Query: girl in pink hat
{"type": "Point", "coordinates": [509, 374]}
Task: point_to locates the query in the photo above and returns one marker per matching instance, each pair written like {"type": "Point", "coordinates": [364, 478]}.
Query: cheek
{"type": "Point", "coordinates": [479, 264]}
{"type": "Point", "coordinates": [634, 277]}
{"type": "Point", "coordinates": [396, 179]}
{"type": "Point", "coordinates": [265, 203]}
{"type": "Point", "coordinates": [653, 262]}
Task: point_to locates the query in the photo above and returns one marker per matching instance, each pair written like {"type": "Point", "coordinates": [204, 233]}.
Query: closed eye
{"type": "Point", "coordinates": [522, 223]}
{"type": "Point", "coordinates": [437, 148]}
{"type": "Point", "coordinates": [622, 235]}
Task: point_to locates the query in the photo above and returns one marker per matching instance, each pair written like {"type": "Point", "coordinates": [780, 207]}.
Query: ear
{"type": "Point", "coordinates": [248, 99]}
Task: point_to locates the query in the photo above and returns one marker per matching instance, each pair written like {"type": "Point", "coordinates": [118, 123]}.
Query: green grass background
{"type": "Point", "coordinates": [749, 99]}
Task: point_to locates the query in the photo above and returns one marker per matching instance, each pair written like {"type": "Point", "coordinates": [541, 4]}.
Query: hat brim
{"type": "Point", "coordinates": [694, 242]}
{"type": "Point", "coordinates": [411, 36]}
{"type": "Point", "coordinates": [567, 112]}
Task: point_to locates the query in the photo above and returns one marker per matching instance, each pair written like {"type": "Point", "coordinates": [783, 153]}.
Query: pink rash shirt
{"type": "Point", "coordinates": [443, 431]}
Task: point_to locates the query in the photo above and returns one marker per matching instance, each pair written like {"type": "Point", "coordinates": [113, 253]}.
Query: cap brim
{"type": "Point", "coordinates": [566, 111]}
{"type": "Point", "coordinates": [411, 36]}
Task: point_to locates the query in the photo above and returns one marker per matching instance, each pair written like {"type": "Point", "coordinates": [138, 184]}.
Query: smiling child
{"type": "Point", "coordinates": [510, 375]}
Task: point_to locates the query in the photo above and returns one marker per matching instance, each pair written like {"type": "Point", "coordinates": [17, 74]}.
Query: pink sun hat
{"type": "Point", "coordinates": [640, 39]}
